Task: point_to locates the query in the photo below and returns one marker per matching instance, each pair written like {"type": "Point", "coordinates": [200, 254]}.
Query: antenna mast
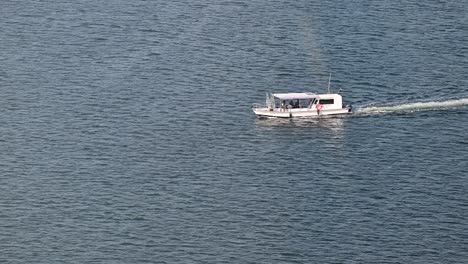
{"type": "Point", "coordinates": [329, 80]}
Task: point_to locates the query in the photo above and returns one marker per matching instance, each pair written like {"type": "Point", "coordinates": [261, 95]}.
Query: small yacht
{"type": "Point", "coordinates": [289, 105]}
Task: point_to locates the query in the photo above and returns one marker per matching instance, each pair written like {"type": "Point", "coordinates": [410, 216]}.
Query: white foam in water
{"type": "Point", "coordinates": [420, 106]}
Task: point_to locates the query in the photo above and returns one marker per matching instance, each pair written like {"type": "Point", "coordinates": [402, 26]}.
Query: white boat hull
{"type": "Point", "coordinates": [304, 112]}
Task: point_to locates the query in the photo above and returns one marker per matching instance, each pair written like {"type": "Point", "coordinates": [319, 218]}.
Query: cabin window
{"type": "Point", "coordinates": [327, 101]}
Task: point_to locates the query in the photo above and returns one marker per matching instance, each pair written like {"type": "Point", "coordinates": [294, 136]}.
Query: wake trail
{"type": "Point", "coordinates": [413, 107]}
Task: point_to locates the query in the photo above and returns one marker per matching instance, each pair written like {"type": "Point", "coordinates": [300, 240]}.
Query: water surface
{"type": "Point", "coordinates": [126, 133]}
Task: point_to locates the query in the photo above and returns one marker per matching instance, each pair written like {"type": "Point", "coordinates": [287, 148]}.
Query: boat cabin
{"type": "Point", "coordinates": [303, 100]}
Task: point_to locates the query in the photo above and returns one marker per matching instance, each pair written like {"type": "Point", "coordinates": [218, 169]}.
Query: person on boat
{"type": "Point", "coordinates": [297, 105]}
{"type": "Point", "coordinates": [283, 106]}
{"type": "Point", "coordinates": [291, 103]}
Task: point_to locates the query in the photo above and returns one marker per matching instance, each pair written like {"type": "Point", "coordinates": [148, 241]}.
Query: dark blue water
{"type": "Point", "coordinates": [126, 134]}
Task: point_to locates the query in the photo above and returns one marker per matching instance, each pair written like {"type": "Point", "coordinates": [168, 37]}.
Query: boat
{"type": "Point", "coordinates": [304, 104]}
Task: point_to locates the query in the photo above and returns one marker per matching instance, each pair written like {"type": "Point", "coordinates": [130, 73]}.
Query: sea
{"type": "Point", "coordinates": [127, 135]}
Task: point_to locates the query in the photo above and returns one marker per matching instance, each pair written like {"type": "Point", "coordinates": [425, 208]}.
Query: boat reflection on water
{"type": "Point", "coordinates": [326, 126]}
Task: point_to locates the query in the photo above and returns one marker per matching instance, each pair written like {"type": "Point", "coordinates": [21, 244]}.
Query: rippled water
{"type": "Point", "coordinates": [126, 134]}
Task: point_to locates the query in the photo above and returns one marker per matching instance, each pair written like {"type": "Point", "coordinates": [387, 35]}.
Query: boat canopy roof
{"type": "Point", "coordinates": [291, 96]}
